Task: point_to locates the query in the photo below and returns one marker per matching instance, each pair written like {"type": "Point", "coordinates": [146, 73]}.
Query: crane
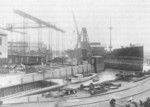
{"type": "Point", "coordinates": [82, 39]}
{"type": "Point", "coordinates": [39, 21]}
{"type": "Point", "coordinates": [82, 47]}
{"type": "Point", "coordinates": [41, 24]}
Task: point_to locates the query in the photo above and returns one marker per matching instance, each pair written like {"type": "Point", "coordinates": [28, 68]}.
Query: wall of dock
{"type": "Point", "coordinates": [48, 74]}
{"type": "Point", "coordinates": [16, 83]}
{"type": "Point", "coordinates": [19, 88]}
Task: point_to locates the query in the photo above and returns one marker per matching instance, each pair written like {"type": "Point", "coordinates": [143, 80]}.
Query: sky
{"type": "Point", "coordinates": [130, 20]}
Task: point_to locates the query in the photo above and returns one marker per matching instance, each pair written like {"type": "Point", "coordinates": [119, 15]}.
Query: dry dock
{"type": "Point", "coordinates": [18, 83]}
{"type": "Point", "coordinates": [138, 90]}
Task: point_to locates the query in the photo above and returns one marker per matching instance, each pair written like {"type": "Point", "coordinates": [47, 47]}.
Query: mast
{"type": "Point", "coordinates": [110, 28]}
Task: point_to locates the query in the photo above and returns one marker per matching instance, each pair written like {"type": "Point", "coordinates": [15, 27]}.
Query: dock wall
{"type": "Point", "coordinates": [8, 81]}
{"type": "Point", "coordinates": [13, 84]}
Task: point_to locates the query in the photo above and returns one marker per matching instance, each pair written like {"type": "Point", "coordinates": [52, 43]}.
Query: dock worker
{"type": "Point", "coordinates": [113, 102]}
{"type": "Point", "coordinates": [147, 102]}
{"type": "Point", "coordinates": [133, 102]}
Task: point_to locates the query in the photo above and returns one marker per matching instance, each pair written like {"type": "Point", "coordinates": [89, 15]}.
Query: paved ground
{"type": "Point", "coordinates": [138, 90]}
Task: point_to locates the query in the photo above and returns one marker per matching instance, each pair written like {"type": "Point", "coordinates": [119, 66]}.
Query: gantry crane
{"type": "Point", "coordinates": [41, 24]}
{"type": "Point", "coordinates": [39, 21]}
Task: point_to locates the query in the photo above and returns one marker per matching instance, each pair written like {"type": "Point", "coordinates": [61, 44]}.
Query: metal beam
{"type": "Point", "coordinates": [30, 27]}
{"type": "Point", "coordinates": [23, 14]}
{"type": "Point", "coordinates": [12, 30]}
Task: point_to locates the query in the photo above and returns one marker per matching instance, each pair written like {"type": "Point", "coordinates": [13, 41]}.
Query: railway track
{"type": "Point", "coordinates": [107, 100]}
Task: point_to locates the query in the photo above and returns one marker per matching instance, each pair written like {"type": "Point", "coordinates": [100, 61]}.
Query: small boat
{"type": "Point", "coordinates": [82, 77]}
{"type": "Point", "coordinates": [60, 93]}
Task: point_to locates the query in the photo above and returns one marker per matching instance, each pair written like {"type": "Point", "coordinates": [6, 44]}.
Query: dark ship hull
{"type": "Point", "coordinates": [129, 58]}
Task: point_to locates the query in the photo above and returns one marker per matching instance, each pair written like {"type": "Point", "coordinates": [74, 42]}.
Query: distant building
{"type": "Point", "coordinates": [3, 45]}
{"type": "Point", "coordinates": [26, 47]}
{"type": "Point", "coordinates": [3, 48]}
{"type": "Point", "coordinates": [17, 46]}
{"type": "Point", "coordinates": [26, 53]}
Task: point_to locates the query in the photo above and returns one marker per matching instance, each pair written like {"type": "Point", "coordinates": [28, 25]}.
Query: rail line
{"type": "Point", "coordinates": [109, 99]}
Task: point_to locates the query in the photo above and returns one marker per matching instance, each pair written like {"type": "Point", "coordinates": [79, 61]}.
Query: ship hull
{"type": "Point", "coordinates": [130, 58]}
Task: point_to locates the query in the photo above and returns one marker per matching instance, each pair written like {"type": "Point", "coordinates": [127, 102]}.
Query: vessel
{"type": "Point", "coordinates": [82, 77]}
{"type": "Point", "coordinates": [126, 58]}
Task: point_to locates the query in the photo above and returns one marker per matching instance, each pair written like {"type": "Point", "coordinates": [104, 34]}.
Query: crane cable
{"type": "Point", "coordinates": [24, 37]}
{"type": "Point", "coordinates": [50, 42]}
{"type": "Point", "coordinates": [62, 43]}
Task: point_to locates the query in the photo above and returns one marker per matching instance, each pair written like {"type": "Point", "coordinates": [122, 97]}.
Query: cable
{"type": "Point", "coordinates": [62, 43]}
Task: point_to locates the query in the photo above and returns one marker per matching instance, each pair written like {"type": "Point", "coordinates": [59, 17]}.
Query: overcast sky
{"type": "Point", "coordinates": [130, 19]}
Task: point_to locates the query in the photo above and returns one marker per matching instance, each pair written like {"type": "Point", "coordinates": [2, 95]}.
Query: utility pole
{"type": "Point", "coordinates": [110, 28]}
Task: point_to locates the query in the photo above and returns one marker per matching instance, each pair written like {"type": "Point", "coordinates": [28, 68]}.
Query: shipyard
{"type": "Point", "coordinates": [77, 53]}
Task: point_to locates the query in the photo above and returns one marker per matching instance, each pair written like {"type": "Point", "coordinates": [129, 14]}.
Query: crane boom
{"type": "Point", "coordinates": [79, 36]}
{"type": "Point", "coordinates": [23, 14]}
{"type": "Point", "coordinates": [29, 27]}
{"type": "Point", "coordinates": [75, 24]}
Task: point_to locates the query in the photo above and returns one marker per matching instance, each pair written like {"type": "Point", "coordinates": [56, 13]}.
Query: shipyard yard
{"type": "Point", "coordinates": [78, 53]}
